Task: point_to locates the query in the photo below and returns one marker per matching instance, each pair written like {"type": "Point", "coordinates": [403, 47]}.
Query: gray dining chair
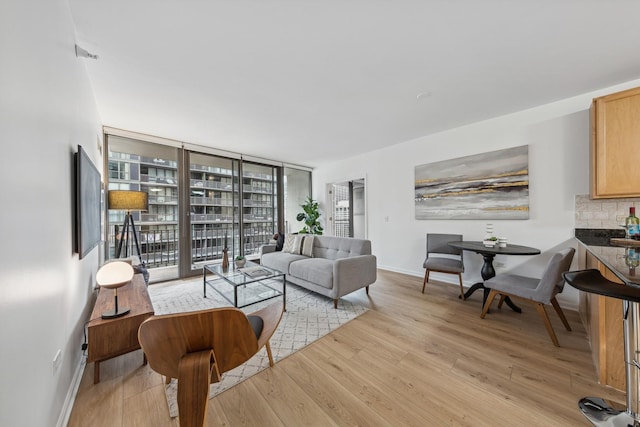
{"type": "Point", "coordinates": [443, 258]}
{"type": "Point", "coordinates": [538, 291]}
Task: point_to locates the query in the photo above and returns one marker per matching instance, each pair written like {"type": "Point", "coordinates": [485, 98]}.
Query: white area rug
{"type": "Point", "coordinates": [309, 316]}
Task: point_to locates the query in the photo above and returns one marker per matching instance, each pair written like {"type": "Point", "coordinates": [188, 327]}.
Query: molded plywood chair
{"type": "Point", "coordinates": [443, 258]}
{"type": "Point", "coordinates": [198, 347]}
{"type": "Point", "coordinates": [537, 291]}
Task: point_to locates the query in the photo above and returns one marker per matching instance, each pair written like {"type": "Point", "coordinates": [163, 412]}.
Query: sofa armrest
{"type": "Point", "coordinates": [352, 273]}
{"type": "Point", "coordinates": [267, 248]}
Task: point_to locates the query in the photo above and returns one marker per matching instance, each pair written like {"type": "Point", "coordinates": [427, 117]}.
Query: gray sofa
{"type": "Point", "coordinates": [338, 266]}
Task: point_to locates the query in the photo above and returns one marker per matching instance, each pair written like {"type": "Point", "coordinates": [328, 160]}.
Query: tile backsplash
{"type": "Point", "coordinates": [603, 213]}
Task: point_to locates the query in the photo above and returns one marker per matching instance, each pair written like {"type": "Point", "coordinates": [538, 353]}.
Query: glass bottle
{"type": "Point", "coordinates": [632, 225]}
{"type": "Point", "coordinates": [632, 259]}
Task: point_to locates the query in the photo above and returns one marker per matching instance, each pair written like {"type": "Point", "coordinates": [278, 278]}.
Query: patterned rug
{"type": "Point", "coordinates": [309, 316]}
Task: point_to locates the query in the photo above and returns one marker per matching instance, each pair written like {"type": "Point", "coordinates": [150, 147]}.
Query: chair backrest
{"type": "Point", "coordinates": [437, 244]}
{"type": "Point", "coordinates": [166, 339]}
{"type": "Point", "coordinates": [551, 281]}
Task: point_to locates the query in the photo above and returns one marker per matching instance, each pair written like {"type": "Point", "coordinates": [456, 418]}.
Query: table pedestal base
{"type": "Point", "coordinates": [601, 413]}
{"type": "Point", "coordinates": [480, 285]}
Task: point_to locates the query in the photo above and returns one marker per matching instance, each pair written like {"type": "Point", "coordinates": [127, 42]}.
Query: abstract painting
{"type": "Point", "coordinates": [493, 185]}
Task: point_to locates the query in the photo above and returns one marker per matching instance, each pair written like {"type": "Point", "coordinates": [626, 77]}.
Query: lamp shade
{"type": "Point", "coordinates": [128, 200]}
{"type": "Point", "coordinates": [114, 274]}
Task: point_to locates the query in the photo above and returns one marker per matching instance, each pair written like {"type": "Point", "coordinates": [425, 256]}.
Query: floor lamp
{"type": "Point", "coordinates": [127, 200]}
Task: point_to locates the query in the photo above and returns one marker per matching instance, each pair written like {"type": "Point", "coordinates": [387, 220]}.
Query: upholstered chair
{"type": "Point", "coordinates": [443, 258]}
{"type": "Point", "coordinates": [537, 291]}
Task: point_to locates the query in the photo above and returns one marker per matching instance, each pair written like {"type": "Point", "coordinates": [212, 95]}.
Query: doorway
{"type": "Point", "coordinates": [347, 208]}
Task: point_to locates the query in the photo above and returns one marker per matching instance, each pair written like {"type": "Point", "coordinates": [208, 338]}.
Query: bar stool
{"type": "Point", "coordinates": [595, 409]}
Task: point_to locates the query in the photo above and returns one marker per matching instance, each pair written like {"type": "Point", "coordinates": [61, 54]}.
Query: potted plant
{"type": "Point", "coordinates": [490, 241]}
{"type": "Point", "coordinates": [240, 261]}
{"type": "Point", "coordinates": [310, 216]}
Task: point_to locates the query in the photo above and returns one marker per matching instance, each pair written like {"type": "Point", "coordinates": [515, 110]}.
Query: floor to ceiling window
{"type": "Point", "coordinates": [198, 204]}
{"type": "Point", "coordinates": [152, 168]}
{"type": "Point", "coordinates": [213, 208]}
{"type": "Point", "coordinates": [259, 205]}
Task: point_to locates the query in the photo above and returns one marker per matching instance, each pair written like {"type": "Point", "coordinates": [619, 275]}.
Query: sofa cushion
{"type": "Point", "coordinates": [280, 260]}
{"type": "Point", "coordinates": [314, 270]}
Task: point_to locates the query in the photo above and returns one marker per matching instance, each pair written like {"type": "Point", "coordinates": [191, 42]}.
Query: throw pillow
{"type": "Point", "coordinates": [288, 244]}
{"type": "Point", "coordinates": [142, 269]}
{"type": "Point", "coordinates": [279, 242]}
{"type": "Point", "coordinates": [297, 244]}
{"type": "Point", "coordinates": [307, 246]}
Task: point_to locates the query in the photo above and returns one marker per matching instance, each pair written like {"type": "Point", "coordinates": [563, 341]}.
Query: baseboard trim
{"type": "Point", "coordinates": [70, 399]}
{"type": "Point", "coordinates": [438, 277]}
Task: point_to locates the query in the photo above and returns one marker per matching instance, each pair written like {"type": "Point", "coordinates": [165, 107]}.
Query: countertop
{"type": "Point", "coordinates": [614, 256]}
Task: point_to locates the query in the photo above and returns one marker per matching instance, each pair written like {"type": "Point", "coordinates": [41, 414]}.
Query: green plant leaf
{"type": "Point", "coordinates": [310, 216]}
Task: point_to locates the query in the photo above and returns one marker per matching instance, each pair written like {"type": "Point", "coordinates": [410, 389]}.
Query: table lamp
{"type": "Point", "coordinates": [112, 276]}
{"type": "Point", "coordinates": [127, 200]}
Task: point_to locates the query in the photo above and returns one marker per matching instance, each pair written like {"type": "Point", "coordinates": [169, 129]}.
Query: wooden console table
{"type": "Point", "coordinates": [109, 338]}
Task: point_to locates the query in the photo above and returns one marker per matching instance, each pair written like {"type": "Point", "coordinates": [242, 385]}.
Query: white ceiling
{"type": "Point", "coordinates": [308, 82]}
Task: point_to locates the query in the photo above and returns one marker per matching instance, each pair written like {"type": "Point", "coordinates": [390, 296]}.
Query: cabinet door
{"type": "Point", "coordinates": [615, 145]}
{"type": "Point", "coordinates": [604, 327]}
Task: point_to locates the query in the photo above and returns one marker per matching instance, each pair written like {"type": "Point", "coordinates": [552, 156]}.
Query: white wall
{"type": "Point", "coordinates": [47, 108]}
{"type": "Point", "coordinates": [558, 139]}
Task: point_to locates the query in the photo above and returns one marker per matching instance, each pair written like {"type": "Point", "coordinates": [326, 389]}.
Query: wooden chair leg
{"type": "Point", "coordinates": [490, 299]}
{"type": "Point", "coordinates": [268, 347]}
{"type": "Point", "coordinates": [426, 279]}
{"type": "Point", "coordinates": [367, 289]}
{"type": "Point", "coordinates": [502, 298]}
{"type": "Point", "coordinates": [194, 377]}
{"type": "Point", "coordinates": [461, 287]}
{"type": "Point", "coordinates": [547, 323]}
{"type": "Point", "coordinates": [556, 306]}
{"type": "Point", "coordinates": [335, 303]}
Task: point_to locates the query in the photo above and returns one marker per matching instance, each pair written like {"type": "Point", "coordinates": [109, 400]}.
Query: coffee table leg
{"type": "Point", "coordinates": [204, 282]}
{"type": "Point", "coordinates": [235, 296]}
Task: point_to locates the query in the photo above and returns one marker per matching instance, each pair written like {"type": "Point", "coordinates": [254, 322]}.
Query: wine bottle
{"type": "Point", "coordinates": [632, 225]}
{"type": "Point", "coordinates": [632, 259]}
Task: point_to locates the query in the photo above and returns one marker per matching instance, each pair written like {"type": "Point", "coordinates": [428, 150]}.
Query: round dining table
{"type": "Point", "coordinates": [488, 254]}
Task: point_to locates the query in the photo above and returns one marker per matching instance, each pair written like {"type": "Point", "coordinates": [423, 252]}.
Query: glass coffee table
{"type": "Point", "coordinates": [244, 286]}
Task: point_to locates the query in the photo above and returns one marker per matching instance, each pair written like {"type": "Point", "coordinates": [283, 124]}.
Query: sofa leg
{"type": "Point", "coordinates": [367, 289]}
{"type": "Point", "coordinates": [335, 303]}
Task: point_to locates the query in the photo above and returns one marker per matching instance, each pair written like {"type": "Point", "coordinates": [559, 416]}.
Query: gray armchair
{"type": "Point", "coordinates": [538, 291]}
{"type": "Point", "coordinates": [443, 258]}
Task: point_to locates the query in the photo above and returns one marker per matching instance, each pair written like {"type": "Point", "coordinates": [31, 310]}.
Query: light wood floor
{"type": "Point", "coordinates": [412, 360]}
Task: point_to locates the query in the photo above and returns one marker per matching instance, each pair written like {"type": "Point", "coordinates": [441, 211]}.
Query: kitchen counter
{"type": "Point", "coordinates": [613, 255]}
{"type": "Point", "coordinates": [602, 316]}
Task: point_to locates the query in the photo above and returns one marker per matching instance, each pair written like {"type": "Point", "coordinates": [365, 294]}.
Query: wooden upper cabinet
{"type": "Point", "coordinates": [615, 145]}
